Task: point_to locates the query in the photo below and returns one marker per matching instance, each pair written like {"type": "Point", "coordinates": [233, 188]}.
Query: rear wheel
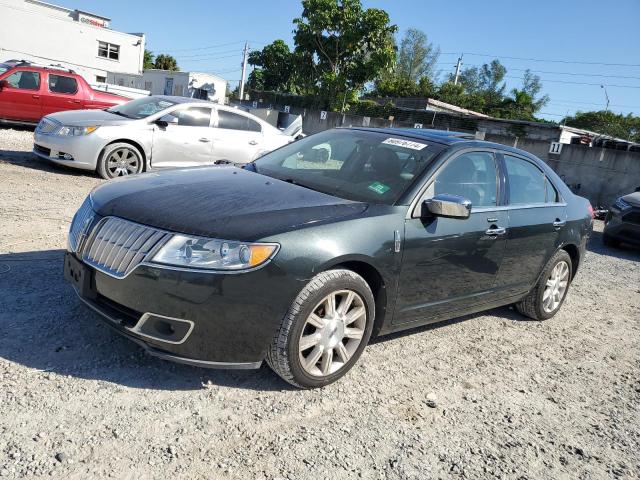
{"type": "Point", "coordinates": [548, 295]}
{"type": "Point", "coordinates": [119, 160]}
{"type": "Point", "coordinates": [325, 330]}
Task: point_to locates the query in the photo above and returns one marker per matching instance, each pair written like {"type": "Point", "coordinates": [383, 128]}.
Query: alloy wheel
{"type": "Point", "coordinates": [556, 287]}
{"type": "Point", "coordinates": [332, 333]}
{"type": "Point", "coordinates": [122, 161]}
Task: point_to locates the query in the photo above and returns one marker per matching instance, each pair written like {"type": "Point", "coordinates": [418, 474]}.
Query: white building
{"type": "Point", "coordinates": [183, 84]}
{"type": "Point", "coordinates": [49, 34]}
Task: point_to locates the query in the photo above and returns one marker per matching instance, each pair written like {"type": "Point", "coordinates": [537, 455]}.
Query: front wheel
{"type": "Point", "coordinates": [325, 330]}
{"type": "Point", "coordinates": [120, 159]}
{"type": "Point", "coordinates": [548, 295]}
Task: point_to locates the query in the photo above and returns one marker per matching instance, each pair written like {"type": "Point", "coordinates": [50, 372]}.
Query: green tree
{"type": "Point", "coordinates": [274, 67]}
{"type": "Point", "coordinates": [607, 123]}
{"type": "Point", "coordinates": [343, 45]}
{"type": "Point", "coordinates": [147, 63]}
{"type": "Point", "coordinates": [417, 57]}
{"type": "Point", "coordinates": [486, 82]}
{"type": "Point", "coordinates": [166, 62]}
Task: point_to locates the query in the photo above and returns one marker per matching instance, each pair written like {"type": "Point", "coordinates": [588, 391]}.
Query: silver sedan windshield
{"type": "Point", "coordinates": [142, 107]}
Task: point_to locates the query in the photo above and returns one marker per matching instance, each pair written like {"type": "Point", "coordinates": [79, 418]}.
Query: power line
{"type": "Point", "coordinates": [208, 54]}
{"type": "Point", "coordinates": [574, 62]}
{"type": "Point", "coordinates": [209, 58]}
{"type": "Point", "coordinates": [204, 48]}
{"type": "Point", "coordinates": [576, 83]}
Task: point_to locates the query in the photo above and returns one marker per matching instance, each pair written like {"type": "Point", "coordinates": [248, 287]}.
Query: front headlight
{"type": "Point", "coordinates": [213, 254]}
{"type": "Point", "coordinates": [68, 131]}
{"type": "Point", "coordinates": [621, 204]}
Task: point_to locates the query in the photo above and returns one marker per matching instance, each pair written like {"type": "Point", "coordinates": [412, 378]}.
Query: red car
{"type": "Point", "coordinates": [28, 93]}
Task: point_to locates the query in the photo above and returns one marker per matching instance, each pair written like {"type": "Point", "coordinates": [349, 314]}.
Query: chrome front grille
{"type": "Point", "coordinates": [117, 246]}
{"type": "Point", "coordinates": [79, 225]}
{"type": "Point", "coordinates": [47, 126]}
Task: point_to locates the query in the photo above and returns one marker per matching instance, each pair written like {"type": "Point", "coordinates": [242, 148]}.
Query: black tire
{"type": "Point", "coordinates": [133, 161]}
{"type": "Point", "coordinates": [610, 241]}
{"type": "Point", "coordinates": [532, 305]}
{"type": "Point", "coordinates": [284, 354]}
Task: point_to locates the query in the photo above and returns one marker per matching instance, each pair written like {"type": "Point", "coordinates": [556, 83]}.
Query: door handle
{"type": "Point", "coordinates": [204, 140]}
{"type": "Point", "coordinates": [496, 231]}
{"type": "Point", "coordinates": [253, 142]}
{"type": "Point", "coordinates": [36, 96]}
{"type": "Point", "coordinates": [559, 223]}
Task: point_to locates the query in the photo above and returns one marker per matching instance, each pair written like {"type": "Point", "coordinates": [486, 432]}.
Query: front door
{"type": "Point", "coordinates": [451, 264]}
{"type": "Point", "coordinates": [168, 86]}
{"type": "Point", "coordinates": [237, 138]}
{"type": "Point", "coordinates": [536, 219]}
{"type": "Point", "coordinates": [185, 143]}
{"type": "Point", "coordinates": [20, 98]}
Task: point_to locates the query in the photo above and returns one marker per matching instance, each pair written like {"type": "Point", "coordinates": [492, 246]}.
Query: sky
{"type": "Point", "coordinates": [575, 46]}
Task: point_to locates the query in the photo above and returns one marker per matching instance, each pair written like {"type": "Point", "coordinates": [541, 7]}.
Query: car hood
{"type": "Point", "coordinates": [632, 199]}
{"type": "Point", "coordinates": [83, 118]}
{"type": "Point", "coordinates": [220, 202]}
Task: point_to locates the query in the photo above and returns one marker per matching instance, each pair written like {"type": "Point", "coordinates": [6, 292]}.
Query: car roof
{"type": "Point", "coordinates": [445, 137]}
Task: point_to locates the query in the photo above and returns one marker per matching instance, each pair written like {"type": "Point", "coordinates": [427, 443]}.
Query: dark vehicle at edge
{"type": "Point", "coordinates": [303, 255]}
{"type": "Point", "coordinates": [622, 223]}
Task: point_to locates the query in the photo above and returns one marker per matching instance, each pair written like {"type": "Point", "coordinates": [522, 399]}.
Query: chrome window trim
{"type": "Point", "coordinates": [517, 207]}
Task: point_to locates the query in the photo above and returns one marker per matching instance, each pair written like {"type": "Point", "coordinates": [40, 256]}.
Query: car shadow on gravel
{"type": "Point", "coordinates": [44, 327]}
{"type": "Point", "coordinates": [624, 251]}
{"type": "Point", "coordinates": [29, 160]}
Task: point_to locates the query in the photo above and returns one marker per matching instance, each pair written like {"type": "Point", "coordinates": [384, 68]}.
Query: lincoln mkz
{"type": "Point", "coordinates": [303, 255]}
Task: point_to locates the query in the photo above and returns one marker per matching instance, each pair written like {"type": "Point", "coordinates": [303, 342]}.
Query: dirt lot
{"type": "Point", "coordinates": [514, 398]}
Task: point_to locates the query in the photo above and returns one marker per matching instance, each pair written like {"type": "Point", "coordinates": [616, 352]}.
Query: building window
{"type": "Point", "coordinates": [108, 50]}
{"type": "Point", "coordinates": [101, 79]}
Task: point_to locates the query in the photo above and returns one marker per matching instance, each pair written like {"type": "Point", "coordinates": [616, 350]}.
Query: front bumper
{"type": "Point", "coordinates": [83, 150]}
{"type": "Point", "coordinates": [623, 225]}
{"type": "Point", "coordinates": [232, 317]}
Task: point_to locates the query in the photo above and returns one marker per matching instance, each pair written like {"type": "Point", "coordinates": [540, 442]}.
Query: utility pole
{"type": "Point", "coordinates": [245, 54]}
{"type": "Point", "coordinates": [606, 110]}
{"type": "Point", "coordinates": [458, 66]}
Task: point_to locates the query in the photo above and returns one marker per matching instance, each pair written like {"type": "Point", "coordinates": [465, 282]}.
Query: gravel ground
{"type": "Point", "coordinates": [493, 396]}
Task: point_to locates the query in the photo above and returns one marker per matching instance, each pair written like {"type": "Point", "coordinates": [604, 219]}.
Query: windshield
{"type": "Point", "coordinates": [352, 164]}
{"type": "Point", "coordinates": [142, 107]}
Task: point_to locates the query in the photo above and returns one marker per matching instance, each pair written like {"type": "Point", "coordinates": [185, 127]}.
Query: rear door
{"type": "Point", "coordinates": [186, 143]}
{"type": "Point", "coordinates": [451, 264]}
{"type": "Point", "coordinates": [61, 93]}
{"type": "Point", "coordinates": [237, 138]}
{"type": "Point", "coordinates": [537, 216]}
{"type": "Point", "coordinates": [20, 99]}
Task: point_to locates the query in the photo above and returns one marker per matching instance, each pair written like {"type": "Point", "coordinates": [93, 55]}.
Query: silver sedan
{"type": "Point", "coordinates": [154, 132]}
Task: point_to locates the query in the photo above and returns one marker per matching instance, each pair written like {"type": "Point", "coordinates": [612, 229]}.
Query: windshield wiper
{"type": "Point", "coordinates": [295, 182]}
{"type": "Point", "coordinates": [115, 112]}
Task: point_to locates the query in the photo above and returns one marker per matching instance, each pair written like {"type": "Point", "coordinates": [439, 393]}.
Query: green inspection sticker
{"type": "Point", "coordinates": [379, 188]}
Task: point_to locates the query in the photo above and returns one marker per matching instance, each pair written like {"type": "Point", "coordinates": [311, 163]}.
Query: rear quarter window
{"type": "Point", "coordinates": [62, 84]}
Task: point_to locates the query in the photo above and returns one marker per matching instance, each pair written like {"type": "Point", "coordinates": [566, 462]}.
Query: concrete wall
{"type": "Point", "coordinates": [48, 34]}
{"type": "Point", "coordinates": [599, 174]}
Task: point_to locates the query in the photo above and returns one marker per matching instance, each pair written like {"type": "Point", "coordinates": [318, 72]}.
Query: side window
{"type": "Point", "coordinates": [62, 84]}
{"type": "Point", "coordinates": [233, 121]}
{"type": "Point", "coordinates": [552, 194]}
{"type": "Point", "coordinates": [472, 176]}
{"type": "Point", "coordinates": [527, 183]}
{"type": "Point", "coordinates": [193, 117]}
{"type": "Point", "coordinates": [24, 80]}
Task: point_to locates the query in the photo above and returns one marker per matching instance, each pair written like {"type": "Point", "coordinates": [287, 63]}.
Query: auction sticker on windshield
{"type": "Point", "coordinates": [379, 188]}
{"type": "Point", "coordinates": [398, 142]}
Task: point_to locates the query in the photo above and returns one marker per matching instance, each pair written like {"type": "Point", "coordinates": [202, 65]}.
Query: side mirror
{"type": "Point", "coordinates": [166, 120]}
{"type": "Point", "coordinates": [3, 84]}
{"type": "Point", "coordinates": [445, 205]}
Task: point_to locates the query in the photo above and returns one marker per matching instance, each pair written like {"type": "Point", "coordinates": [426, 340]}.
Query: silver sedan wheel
{"type": "Point", "coordinates": [332, 333]}
{"type": "Point", "coordinates": [556, 287]}
{"type": "Point", "coordinates": [123, 161]}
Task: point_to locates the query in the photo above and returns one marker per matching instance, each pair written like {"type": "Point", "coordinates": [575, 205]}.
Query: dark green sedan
{"type": "Point", "coordinates": [303, 255]}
